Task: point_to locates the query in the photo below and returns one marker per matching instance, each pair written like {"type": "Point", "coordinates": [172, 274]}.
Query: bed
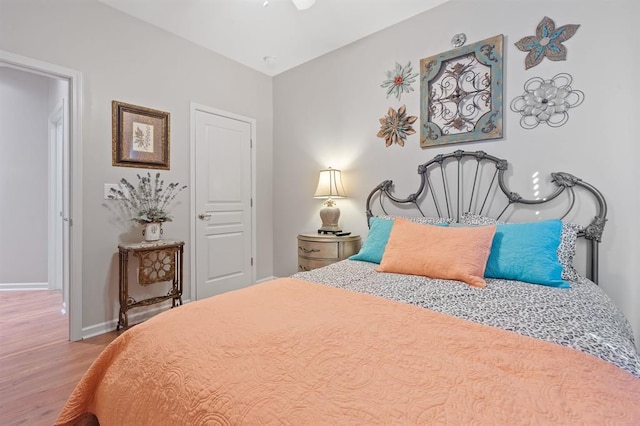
{"type": "Point", "coordinates": [417, 328]}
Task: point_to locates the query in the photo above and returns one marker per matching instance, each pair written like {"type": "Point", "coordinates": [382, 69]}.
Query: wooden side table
{"type": "Point", "coordinates": [160, 261]}
{"type": "Point", "coordinates": [316, 251]}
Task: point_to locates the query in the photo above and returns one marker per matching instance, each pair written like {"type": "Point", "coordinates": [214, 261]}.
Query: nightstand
{"type": "Point", "coordinates": [316, 251]}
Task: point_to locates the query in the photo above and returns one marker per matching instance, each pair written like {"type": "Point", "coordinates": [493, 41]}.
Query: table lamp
{"type": "Point", "coordinates": [329, 187]}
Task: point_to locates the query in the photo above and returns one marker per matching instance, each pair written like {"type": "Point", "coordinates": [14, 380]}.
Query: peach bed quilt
{"type": "Point", "coordinates": [293, 352]}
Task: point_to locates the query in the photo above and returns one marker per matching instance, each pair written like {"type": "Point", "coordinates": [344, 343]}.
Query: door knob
{"type": "Point", "coordinates": [204, 216]}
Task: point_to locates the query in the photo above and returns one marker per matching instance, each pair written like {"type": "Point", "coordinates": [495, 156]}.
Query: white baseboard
{"type": "Point", "coordinates": [135, 316]}
{"type": "Point", "coordinates": [265, 279]}
{"type": "Point", "coordinates": [23, 286]}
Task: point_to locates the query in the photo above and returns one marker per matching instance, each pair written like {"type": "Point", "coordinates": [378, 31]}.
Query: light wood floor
{"type": "Point", "coordinates": [39, 367]}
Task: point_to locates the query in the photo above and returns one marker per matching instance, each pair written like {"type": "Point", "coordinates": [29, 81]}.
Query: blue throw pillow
{"type": "Point", "coordinates": [373, 248]}
{"type": "Point", "coordinates": [527, 252]}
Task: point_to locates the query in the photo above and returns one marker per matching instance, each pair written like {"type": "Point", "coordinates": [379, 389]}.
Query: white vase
{"type": "Point", "coordinates": [152, 231]}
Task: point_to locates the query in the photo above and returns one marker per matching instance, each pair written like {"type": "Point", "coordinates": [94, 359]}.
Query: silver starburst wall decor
{"type": "Point", "coordinates": [547, 43]}
{"type": "Point", "coordinates": [399, 80]}
{"type": "Point", "coordinates": [396, 126]}
{"type": "Point", "coordinates": [547, 101]}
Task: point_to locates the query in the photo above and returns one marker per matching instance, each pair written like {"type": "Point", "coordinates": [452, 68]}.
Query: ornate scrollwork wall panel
{"type": "Point", "coordinates": [461, 94]}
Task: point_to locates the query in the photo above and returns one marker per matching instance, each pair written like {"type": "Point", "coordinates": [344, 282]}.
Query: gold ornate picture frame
{"type": "Point", "coordinates": [140, 136]}
{"type": "Point", "coordinates": [461, 94]}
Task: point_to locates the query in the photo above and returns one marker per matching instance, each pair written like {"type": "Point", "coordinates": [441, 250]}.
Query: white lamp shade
{"type": "Point", "coordinates": [330, 184]}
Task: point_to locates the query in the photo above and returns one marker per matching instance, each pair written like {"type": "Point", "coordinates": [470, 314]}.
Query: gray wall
{"type": "Point", "coordinates": [326, 114]}
{"type": "Point", "coordinates": [23, 176]}
{"type": "Point", "coordinates": [122, 58]}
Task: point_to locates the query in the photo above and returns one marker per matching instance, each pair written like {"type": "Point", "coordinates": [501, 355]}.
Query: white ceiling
{"type": "Point", "coordinates": [248, 32]}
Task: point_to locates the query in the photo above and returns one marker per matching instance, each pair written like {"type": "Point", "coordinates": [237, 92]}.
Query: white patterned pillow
{"type": "Point", "coordinates": [566, 251]}
{"type": "Point", "coordinates": [422, 220]}
{"type": "Point", "coordinates": [478, 220]}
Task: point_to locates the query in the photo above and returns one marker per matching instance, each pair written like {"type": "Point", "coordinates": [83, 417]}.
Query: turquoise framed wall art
{"type": "Point", "coordinates": [461, 94]}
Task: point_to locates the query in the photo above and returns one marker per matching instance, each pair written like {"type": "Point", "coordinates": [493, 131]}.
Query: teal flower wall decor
{"type": "Point", "coordinates": [546, 43]}
{"type": "Point", "coordinates": [399, 80]}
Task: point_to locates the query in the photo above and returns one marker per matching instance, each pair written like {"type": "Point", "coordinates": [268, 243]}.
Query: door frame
{"type": "Point", "coordinates": [194, 108]}
{"type": "Point", "coordinates": [75, 179]}
{"type": "Point", "coordinates": [57, 117]}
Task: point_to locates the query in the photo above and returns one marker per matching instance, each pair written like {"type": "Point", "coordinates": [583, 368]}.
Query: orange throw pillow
{"type": "Point", "coordinates": [438, 251]}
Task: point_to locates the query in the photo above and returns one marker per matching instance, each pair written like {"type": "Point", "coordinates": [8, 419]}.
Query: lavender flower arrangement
{"type": "Point", "coordinates": [150, 201]}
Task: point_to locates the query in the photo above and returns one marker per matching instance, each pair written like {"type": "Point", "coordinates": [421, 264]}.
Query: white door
{"type": "Point", "coordinates": [223, 203]}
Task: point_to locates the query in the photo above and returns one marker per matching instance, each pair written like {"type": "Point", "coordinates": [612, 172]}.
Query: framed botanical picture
{"type": "Point", "coordinates": [140, 136]}
{"type": "Point", "coordinates": [461, 94]}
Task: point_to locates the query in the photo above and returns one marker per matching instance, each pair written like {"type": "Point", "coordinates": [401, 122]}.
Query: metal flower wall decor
{"type": "Point", "coordinates": [396, 126]}
{"type": "Point", "coordinates": [547, 43]}
{"type": "Point", "coordinates": [547, 101]}
{"type": "Point", "coordinates": [399, 80]}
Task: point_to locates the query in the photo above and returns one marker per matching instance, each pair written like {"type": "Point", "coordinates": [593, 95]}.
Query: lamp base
{"type": "Point", "coordinates": [330, 215]}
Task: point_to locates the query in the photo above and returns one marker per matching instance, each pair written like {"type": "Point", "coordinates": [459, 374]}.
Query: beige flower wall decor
{"type": "Point", "coordinates": [396, 126]}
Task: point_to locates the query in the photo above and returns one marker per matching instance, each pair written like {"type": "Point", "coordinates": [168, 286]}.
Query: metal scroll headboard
{"type": "Point", "coordinates": [446, 191]}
